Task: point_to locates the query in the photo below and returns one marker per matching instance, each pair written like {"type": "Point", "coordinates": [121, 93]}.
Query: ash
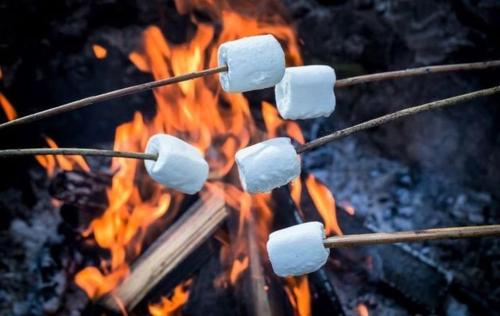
{"type": "Point", "coordinates": [36, 265]}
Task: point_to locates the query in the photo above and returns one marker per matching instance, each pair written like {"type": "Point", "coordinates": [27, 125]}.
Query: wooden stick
{"type": "Point", "coordinates": [5, 153]}
{"type": "Point", "coordinates": [308, 146]}
{"type": "Point", "coordinates": [415, 72]}
{"type": "Point", "coordinates": [154, 84]}
{"type": "Point", "coordinates": [110, 95]}
{"type": "Point", "coordinates": [395, 116]}
{"type": "Point", "coordinates": [411, 236]}
{"type": "Point", "coordinates": [171, 248]}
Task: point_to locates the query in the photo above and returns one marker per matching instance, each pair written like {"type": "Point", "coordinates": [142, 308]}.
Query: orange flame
{"type": "Point", "coordinates": [217, 123]}
{"type": "Point", "coordinates": [66, 163]}
{"type": "Point", "coordinates": [297, 290]}
{"type": "Point", "coordinates": [99, 51]}
{"type": "Point", "coordinates": [7, 107]}
{"type": "Point", "coordinates": [325, 204]}
{"type": "Point", "coordinates": [172, 306]}
{"type": "Point", "coordinates": [239, 266]}
{"type": "Point", "coordinates": [95, 284]}
{"type": "Point", "coordinates": [362, 310]}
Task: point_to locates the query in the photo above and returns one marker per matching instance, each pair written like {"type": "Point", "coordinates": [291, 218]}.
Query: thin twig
{"type": "Point", "coordinates": [110, 95]}
{"type": "Point", "coordinates": [415, 72]}
{"type": "Point", "coordinates": [75, 151]}
{"type": "Point", "coordinates": [395, 116]}
{"type": "Point", "coordinates": [411, 236]}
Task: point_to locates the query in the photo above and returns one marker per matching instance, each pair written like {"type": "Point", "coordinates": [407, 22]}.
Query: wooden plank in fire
{"type": "Point", "coordinates": [171, 248]}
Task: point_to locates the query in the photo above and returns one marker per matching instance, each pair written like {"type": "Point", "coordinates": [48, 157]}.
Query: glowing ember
{"type": "Point", "coordinates": [362, 310]}
{"type": "Point", "coordinates": [99, 51]}
{"type": "Point", "coordinates": [9, 110]}
{"type": "Point", "coordinates": [172, 306]}
{"type": "Point", "coordinates": [347, 206]}
{"type": "Point", "coordinates": [325, 204]}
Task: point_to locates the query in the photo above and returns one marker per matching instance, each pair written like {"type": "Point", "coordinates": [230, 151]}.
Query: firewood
{"type": "Point", "coordinates": [180, 240]}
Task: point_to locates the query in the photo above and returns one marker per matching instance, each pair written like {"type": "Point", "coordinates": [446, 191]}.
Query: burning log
{"type": "Point", "coordinates": [162, 82]}
{"type": "Point", "coordinates": [178, 242]}
{"type": "Point", "coordinates": [260, 303]}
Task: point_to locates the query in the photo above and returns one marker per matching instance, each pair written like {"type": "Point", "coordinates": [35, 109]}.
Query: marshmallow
{"type": "Point", "coordinates": [268, 165]}
{"type": "Point", "coordinates": [298, 249]}
{"type": "Point", "coordinates": [179, 166]}
{"type": "Point", "coordinates": [306, 92]}
{"type": "Point", "coordinates": [255, 62]}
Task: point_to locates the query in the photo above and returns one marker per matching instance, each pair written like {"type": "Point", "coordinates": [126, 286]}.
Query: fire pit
{"type": "Point", "coordinates": [96, 235]}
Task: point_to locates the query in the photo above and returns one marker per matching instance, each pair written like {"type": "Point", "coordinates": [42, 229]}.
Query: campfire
{"type": "Point", "coordinates": [129, 244]}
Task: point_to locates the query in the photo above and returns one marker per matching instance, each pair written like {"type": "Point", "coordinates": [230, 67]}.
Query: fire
{"type": "Point", "coordinates": [218, 124]}
{"type": "Point", "coordinates": [298, 294]}
{"type": "Point", "coordinates": [325, 204]}
{"type": "Point", "coordinates": [362, 310]}
{"type": "Point", "coordinates": [238, 267]}
{"type": "Point", "coordinates": [172, 306]}
{"type": "Point", "coordinates": [66, 163]}
{"type": "Point", "coordinates": [99, 51]}
{"type": "Point", "coordinates": [9, 110]}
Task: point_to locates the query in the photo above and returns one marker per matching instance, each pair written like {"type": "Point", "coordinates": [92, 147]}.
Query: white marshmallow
{"type": "Point", "coordinates": [254, 62]}
{"type": "Point", "coordinates": [267, 165]}
{"type": "Point", "coordinates": [306, 92]}
{"type": "Point", "coordinates": [298, 249]}
{"type": "Point", "coordinates": [179, 166]}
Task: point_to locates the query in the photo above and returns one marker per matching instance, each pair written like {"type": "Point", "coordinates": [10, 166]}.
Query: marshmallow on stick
{"type": "Point", "coordinates": [297, 250]}
{"type": "Point", "coordinates": [302, 248]}
{"type": "Point", "coordinates": [254, 63]}
{"type": "Point", "coordinates": [267, 165]}
{"type": "Point", "coordinates": [306, 92]}
{"type": "Point", "coordinates": [179, 165]}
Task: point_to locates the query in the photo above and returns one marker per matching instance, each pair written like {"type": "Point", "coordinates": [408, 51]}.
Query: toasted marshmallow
{"type": "Point", "coordinates": [267, 165]}
{"type": "Point", "coordinates": [306, 92]}
{"type": "Point", "coordinates": [254, 63]}
{"type": "Point", "coordinates": [179, 166]}
{"type": "Point", "coordinates": [298, 249]}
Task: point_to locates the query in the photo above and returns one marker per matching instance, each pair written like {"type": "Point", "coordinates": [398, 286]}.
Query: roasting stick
{"type": "Point", "coordinates": [412, 72]}
{"type": "Point", "coordinates": [111, 95]}
{"type": "Point", "coordinates": [162, 82]}
{"type": "Point", "coordinates": [395, 116]}
{"type": "Point", "coordinates": [76, 151]}
{"type": "Point", "coordinates": [5, 153]}
{"type": "Point", "coordinates": [302, 249]}
{"type": "Point", "coordinates": [411, 236]}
